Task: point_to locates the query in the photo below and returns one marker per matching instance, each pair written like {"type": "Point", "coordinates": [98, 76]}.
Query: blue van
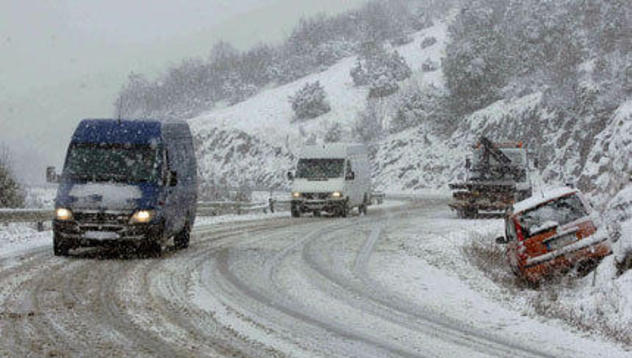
{"type": "Point", "coordinates": [126, 182]}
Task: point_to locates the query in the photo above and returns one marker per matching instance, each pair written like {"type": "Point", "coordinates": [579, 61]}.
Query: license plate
{"type": "Point", "coordinates": [561, 241]}
{"type": "Point", "coordinates": [101, 235]}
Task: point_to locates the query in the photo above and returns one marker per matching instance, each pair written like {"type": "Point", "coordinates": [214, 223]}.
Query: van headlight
{"type": "Point", "coordinates": [142, 217]}
{"type": "Point", "coordinates": [63, 214]}
{"type": "Point", "coordinates": [296, 194]}
{"type": "Point", "coordinates": [336, 195]}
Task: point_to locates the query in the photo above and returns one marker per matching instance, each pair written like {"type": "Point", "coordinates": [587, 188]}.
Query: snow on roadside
{"type": "Point", "coordinates": [19, 237]}
{"type": "Point", "coordinates": [426, 262]}
{"type": "Point", "coordinates": [598, 303]}
{"type": "Point", "coordinates": [202, 221]}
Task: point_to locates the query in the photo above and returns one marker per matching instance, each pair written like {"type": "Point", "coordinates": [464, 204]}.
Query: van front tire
{"type": "Point", "coordinates": [295, 210]}
{"type": "Point", "coordinates": [151, 248]}
{"type": "Point", "coordinates": [344, 209]}
{"type": "Point", "coordinates": [59, 247]}
{"type": "Point", "coordinates": [181, 240]}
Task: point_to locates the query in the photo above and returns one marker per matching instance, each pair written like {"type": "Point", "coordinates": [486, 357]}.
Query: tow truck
{"type": "Point", "coordinates": [497, 176]}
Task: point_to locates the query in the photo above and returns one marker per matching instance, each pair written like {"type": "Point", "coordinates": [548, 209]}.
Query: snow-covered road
{"type": "Point", "coordinates": [393, 283]}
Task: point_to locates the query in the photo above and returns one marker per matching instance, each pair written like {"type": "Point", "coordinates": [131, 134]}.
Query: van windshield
{"type": "Point", "coordinates": [114, 162]}
{"type": "Point", "coordinates": [561, 211]}
{"type": "Point", "coordinates": [320, 168]}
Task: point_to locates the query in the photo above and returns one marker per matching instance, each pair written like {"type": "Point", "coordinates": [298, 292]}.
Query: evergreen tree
{"type": "Point", "coordinates": [310, 101]}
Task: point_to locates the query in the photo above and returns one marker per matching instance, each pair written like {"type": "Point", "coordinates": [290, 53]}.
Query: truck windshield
{"type": "Point", "coordinates": [119, 163]}
{"type": "Point", "coordinates": [320, 168]}
{"type": "Point", "coordinates": [561, 211]}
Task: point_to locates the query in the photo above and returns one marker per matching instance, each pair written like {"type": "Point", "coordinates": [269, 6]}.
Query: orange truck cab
{"type": "Point", "coordinates": [551, 233]}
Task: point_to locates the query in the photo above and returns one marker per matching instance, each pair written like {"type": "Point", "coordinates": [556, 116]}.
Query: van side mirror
{"type": "Point", "coordinates": [51, 175]}
{"type": "Point", "coordinates": [501, 240]}
{"type": "Point", "coordinates": [350, 176]}
{"type": "Point", "coordinates": [173, 178]}
{"type": "Point", "coordinates": [290, 176]}
{"type": "Point", "coordinates": [468, 163]}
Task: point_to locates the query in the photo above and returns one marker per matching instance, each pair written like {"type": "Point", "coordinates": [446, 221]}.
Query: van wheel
{"type": "Point", "coordinates": [59, 249]}
{"type": "Point", "coordinates": [181, 240]}
{"type": "Point", "coordinates": [362, 209]}
{"type": "Point", "coordinates": [151, 248]}
{"type": "Point", "coordinates": [344, 209]}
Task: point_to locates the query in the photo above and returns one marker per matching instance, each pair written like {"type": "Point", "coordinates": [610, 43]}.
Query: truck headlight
{"type": "Point", "coordinates": [336, 194]}
{"type": "Point", "coordinates": [142, 217]}
{"type": "Point", "coordinates": [296, 194]}
{"type": "Point", "coordinates": [63, 214]}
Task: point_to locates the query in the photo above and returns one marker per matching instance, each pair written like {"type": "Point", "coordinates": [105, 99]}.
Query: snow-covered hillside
{"type": "Point", "coordinates": [268, 116]}
{"type": "Point", "coordinates": [421, 157]}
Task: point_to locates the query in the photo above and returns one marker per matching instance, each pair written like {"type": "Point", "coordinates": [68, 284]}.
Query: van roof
{"type": "Point", "coordinates": [332, 150]}
{"type": "Point", "coordinates": [117, 131]}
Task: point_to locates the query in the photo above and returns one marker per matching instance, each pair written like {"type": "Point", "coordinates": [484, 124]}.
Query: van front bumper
{"type": "Point", "coordinates": [74, 234]}
{"type": "Point", "coordinates": [318, 205]}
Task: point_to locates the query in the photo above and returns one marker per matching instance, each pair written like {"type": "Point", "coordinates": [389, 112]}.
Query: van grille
{"type": "Point", "coordinates": [316, 196]}
{"type": "Point", "coordinates": [101, 218]}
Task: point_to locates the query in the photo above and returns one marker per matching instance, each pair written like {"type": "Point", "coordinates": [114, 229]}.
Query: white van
{"type": "Point", "coordinates": [333, 177]}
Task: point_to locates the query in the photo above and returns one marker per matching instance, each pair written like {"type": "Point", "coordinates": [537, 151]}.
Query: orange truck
{"type": "Point", "coordinates": [497, 176]}
{"type": "Point", "coordinates": [552, 232]}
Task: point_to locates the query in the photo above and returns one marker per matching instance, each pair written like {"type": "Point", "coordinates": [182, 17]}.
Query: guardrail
{"type": "Point", "coordinates": [212, 208]}
{"type": "Point", "coordinates": [205, 208]}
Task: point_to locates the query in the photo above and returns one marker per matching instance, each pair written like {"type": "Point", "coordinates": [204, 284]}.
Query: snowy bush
{"type": "Point", "coordinates": [382, 84]}
{"type": "Point", "coordinates": [429, 65]}
{"type": "Point", "coordinates": [334, 133]}
{"type": "Point", "coordinates": [380, 69]}
{"type": "Point", "coordinates": [310, 101]}
{"type": "Point", "coordinates": [11, 195]}
{"type": "Point", "coordinates": [428, 41]}
{"type": "Point", "coordinates": [359, 75]}
{"type": "Point", "coordinates": [369, 126]}
{"type": "Point", "coordinates": [402, 40]}
{"type": "Point", "coordinates": [415, 105]}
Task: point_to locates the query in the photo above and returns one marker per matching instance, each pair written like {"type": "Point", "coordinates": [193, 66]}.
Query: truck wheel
{"type": "Point", "coordinates": [296, 213]}
{"type": "Point", "coordinates": [181, 239]}
{"type": "Point", "coordinates": [59, 248]}
{"type": "Point", "coordinates": [460, 213]}
{"type": "Point", "coordinates": [317, 213]}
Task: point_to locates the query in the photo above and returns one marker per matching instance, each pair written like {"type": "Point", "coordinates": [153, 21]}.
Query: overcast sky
{"type": "Point", "coordinates": [61, 61]}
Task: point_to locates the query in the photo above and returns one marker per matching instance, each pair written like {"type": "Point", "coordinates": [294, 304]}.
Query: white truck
{"type": "Point", "coordinates": [333, 178]}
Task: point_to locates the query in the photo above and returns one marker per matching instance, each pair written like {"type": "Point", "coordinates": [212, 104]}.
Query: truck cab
{"type": "Point", "coordinates": [126, 182]}
{"type": "Point", "coordinates": [333, 178]}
